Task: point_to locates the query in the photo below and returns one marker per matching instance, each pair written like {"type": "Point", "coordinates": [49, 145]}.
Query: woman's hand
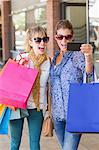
{"type": "Point", "coordinates": [21, 60]}
{"type": "Point", "coordinates": [86, 49]}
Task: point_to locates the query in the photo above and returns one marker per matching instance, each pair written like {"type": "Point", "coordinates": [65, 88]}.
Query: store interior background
{"type": "Point", "coordinates": [83, 14]}
{"type": "Point", "coordinates": [94, 30]}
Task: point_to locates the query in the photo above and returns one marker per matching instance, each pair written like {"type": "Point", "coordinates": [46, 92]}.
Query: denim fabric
{"type": "Point", "coordinates": [67, 140]}
{"type": "Point", "coordinates": [35, 120]}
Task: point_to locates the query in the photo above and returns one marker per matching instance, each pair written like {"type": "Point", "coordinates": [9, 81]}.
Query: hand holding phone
{"type": "Point", "coordinates": [74, 46]}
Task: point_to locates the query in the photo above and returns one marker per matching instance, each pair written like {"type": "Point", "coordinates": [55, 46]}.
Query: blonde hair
{"type": "Point", "coordinates": [30, 33]}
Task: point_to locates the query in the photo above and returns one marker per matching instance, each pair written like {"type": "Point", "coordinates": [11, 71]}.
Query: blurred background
{"type": "Point", "coordinates": [16, 16]}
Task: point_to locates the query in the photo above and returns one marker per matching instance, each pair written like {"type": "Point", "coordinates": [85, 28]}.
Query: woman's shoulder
{"type": "Point", "coordinates": [78, 59]}
{"type": "Point", "coordinates": [47, 62]}
{"type": "Point", "coordinates": [78, 55]}
{"type": "Point", "coordinates": [55, 56]}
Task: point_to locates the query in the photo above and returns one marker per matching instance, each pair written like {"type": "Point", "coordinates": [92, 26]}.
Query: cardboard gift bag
{"type": "Point", "coordinates": [83, 108]}
{"type": "Point", "coordinates": [4, 121]}
{"type": "Point", "coordinates": [16, 83]}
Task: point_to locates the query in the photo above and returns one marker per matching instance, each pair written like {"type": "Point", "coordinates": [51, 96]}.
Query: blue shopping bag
{"type": "Point", "coordinates": [83, 108]}
{"type": "Point", "coordinates": [4, 121]}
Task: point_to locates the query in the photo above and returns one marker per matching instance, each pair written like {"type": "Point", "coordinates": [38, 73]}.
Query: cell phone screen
{"type": "Point", "coordinates": [74, 46]}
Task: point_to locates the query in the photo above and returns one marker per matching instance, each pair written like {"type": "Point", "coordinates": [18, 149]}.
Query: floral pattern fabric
{"type": "Point", "coordinates": [70, 70]}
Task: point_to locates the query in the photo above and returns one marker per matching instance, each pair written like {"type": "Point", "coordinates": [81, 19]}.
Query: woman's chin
{"type": "Point", "coordinates": [41, 52]}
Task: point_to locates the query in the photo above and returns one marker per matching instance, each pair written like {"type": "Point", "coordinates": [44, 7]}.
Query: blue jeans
{"type": "Point", "coordinates": [67, 140]}
{"type": "Point", "coordinates": [35, 120]}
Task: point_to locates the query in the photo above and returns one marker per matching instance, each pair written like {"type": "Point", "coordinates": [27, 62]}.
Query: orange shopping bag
{"type": "Point", "coordinates": [2, 107]}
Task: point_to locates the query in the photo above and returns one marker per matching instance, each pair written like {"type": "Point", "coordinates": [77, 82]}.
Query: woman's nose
{"type": "Point", "coordinates": [42, 42]}
{"type": "Point", "coordinates": [64, 39]}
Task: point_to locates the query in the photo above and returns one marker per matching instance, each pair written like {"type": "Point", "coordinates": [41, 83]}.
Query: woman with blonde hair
{"type": "Point", "coordinates": [34, 56]}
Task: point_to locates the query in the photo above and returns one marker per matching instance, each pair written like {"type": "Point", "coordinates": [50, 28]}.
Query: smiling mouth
{"type": "Point", "coordinates": [41, 48]}
{"type": "Point", "coordinates": [65, 46]}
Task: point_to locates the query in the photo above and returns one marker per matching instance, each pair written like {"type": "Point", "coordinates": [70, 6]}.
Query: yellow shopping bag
{"type": "Point", "coordinates": [2, 107]}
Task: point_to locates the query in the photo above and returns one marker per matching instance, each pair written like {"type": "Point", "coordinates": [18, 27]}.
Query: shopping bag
{"type": "Point", "coordinates": [47, 128]}
{"type": "Point", "coordinates": [2, 107]}
{"type": "Point", "coordinates": [83, 108]}
{"type": "Point", "coordinates": [2, 115]}
{"type": "Point", "coordinates": [11, 107]}
{"type": "Point", "coordinates": [4, 121]}
{"type": "Point", "coordinates": [16, 83]}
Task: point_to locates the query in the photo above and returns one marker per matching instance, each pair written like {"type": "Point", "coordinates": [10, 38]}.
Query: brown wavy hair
{"type": "Point", "coordinates": [64, 24]}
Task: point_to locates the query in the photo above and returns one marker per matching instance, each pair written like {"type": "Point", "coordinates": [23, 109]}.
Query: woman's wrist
{"type": "Point", "coordinates": [88, 54]}
{"type": "Point", "coordinates": [89, 63]}
{"type": "Point", "coordinates": [89, 58]}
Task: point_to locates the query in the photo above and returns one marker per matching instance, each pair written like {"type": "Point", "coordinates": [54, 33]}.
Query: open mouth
{"type": "Point", "coordinates": [64, 46]}
{"type": "Point", "coordinates": [41, 49]}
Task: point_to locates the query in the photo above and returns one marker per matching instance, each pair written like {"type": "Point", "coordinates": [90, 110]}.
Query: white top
{"type": "Point", "coordinates": [45, 67]}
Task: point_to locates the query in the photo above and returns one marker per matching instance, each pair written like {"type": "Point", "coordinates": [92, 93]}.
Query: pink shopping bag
{"type": "Point", "coordinates": [16, 82]}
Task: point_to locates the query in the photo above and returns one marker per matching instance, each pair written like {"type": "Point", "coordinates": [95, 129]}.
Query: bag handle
{"type": "Point", "coordinates": [22, 60]}
{"type": "Point", "coordinates": [48, 98]}
{"type": "Point", "coordinates": [48, 94]}
{"type": "Point", "coordinates": [94, 76]}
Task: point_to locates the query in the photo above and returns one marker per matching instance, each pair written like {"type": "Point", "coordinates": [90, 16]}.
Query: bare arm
{"type": "Point", "coordinates": [89, 63]}
{"type": "Point", "coordinates": [87, 50]}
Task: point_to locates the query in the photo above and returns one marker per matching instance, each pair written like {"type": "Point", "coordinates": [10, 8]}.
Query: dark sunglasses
{"type": "Point", "coordinates": [67, 37]}
{"type": "Point", "coordinates": [38, 40]}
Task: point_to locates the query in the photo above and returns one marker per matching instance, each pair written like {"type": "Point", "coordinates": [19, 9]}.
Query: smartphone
{"type": "Point", "coordinates": [75, 46]}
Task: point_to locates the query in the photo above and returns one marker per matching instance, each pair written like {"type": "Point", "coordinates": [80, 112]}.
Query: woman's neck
{"type": "Point", "coordinates": [62, 52]}
{"type": "Point", "coordinates": [59, 58]}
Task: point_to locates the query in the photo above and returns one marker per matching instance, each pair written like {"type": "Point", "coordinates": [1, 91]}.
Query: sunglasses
{"type": "Point", "coordinates": [38, 40]}
{"type": "Point", "coordinates": [67, 37]}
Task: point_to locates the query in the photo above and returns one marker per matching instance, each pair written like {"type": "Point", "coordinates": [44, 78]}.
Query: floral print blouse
{"type": "Point", "coordinates": [70, 70]}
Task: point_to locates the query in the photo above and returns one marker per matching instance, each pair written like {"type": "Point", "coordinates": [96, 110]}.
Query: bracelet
{"type": "Point", "coordinates": [87, 55]}
{"type": "Point", "coordinates": [89, 59]}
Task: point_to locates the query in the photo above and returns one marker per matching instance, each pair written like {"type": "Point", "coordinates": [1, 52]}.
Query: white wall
{"type": "Point", "coordinates": [77, 15]}
{"type": "Point", "coordinates": [18, 5]}
{"type": "Point", "coordinates": [74, 1]}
